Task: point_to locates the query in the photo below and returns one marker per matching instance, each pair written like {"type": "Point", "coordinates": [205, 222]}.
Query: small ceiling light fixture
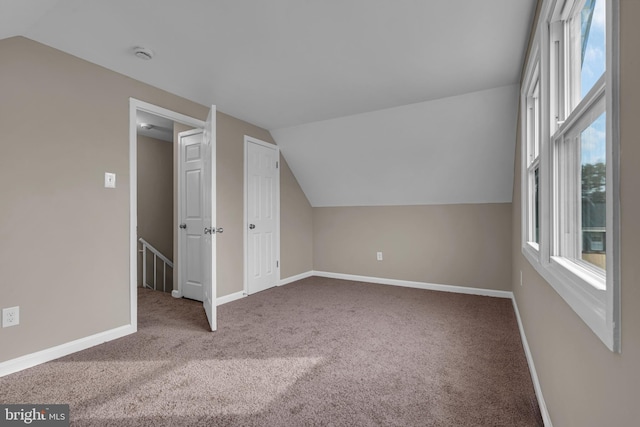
{"type": "Point", "coordinates": [143, 53]}
{"type": "Point", "coordinates": [146, 126]}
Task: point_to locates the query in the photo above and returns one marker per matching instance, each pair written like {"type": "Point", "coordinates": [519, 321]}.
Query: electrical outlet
{"type": "Point", "coordinates": [520, 277]}
{"type": "Point", "coordinates": [379, 256]}
{"type": "Point", "coordinates": [10, 316]}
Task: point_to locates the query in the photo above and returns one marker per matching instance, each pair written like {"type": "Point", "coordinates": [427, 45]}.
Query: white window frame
{"type": "Point", "coordinates": [531, 148]}
{"type": "Point", "coordinates": [592, 293]}
{"type": "Point", "coordinates": [567, 241]}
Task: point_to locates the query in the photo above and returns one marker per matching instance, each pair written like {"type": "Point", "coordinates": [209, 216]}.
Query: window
{"type": "Point", "coordinates": [532, 189]}
{"type": "Point", "coordinates": [579, 142]}
{"type": "Point", "coordinates": [587, 51]}
{"type": "Point", "coordinates": [569, 174]}
{"type": "Point", "coordinates": [580, 191]}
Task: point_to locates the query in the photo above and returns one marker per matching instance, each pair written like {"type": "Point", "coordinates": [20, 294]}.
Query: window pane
{"type": "Point", "coordinates": [536, 205]}
{"type": "Point", "coordinates": [593, 144]}
{"type": "Point", "coordinates": [536, 120]}
{"type": "Point", "coordinates": [533, 123]}
{"type": "Point", "coordinates": [592, 44]}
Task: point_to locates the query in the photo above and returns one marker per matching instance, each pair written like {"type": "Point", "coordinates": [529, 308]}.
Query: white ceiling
{"type": "Point", "coordinates": [453, 150]}
{"type": "Point", "coordinates": [285, 63]}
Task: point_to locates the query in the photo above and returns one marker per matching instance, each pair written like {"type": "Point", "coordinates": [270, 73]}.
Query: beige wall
{"type": "Point", "coordinates": [583, 383]}
{"type": "Point", "coordinates": [155, 203]}
{"type": "Point", "coordinates": [461, 245]}
{"type": "Point", "coordinates": [296, 226]}
{"type": "Point", "coordinates": [64, 238]}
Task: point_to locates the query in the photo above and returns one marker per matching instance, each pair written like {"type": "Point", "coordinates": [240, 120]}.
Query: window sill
{"type": "Point", "coordinates": [586, 277]}
{"type": "Point", "coordinates": [586, 300]}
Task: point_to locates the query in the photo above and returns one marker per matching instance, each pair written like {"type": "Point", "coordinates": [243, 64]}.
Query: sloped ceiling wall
{"type": "Point", "coordinates": [448, 151]}
{"type": "Point", "coordinates": [374, 102]}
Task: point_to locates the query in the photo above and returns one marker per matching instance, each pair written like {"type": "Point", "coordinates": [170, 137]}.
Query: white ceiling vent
{"type": "Point", "coordinates": [143, 53]}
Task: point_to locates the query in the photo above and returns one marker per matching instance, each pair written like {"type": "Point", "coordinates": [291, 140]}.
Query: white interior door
{"type": "Point", "coordinates": [209, 215]}
{"type": "Point", "coordinates": [262, 212]}
{"type": "Point", "coordinates": [191, 235]}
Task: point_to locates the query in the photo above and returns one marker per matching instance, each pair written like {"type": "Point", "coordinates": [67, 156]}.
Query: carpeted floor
{"type": "Point", "coordinates": [317, 352]}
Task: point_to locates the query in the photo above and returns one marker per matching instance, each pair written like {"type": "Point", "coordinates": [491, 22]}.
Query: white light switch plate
{"type": "Point", "coordinates": [109, 180]}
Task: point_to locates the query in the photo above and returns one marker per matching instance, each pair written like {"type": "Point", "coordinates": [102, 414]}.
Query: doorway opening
{"type": "Point", "coordinates": [160, 203]}
{"type": "Point", "coordinates": [155, 201]}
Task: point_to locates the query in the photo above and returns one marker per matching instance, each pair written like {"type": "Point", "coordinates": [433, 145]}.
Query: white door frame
{"type": "Point", "coordinates": [245, 222]}
{"type": "Point", "coordinates": [136, 105]}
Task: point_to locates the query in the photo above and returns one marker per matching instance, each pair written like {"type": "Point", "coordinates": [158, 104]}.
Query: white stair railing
{"type": "Point", "coordinates": [146, 246]}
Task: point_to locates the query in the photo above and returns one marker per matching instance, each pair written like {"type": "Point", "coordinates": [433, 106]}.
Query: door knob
{"type": "Point", "coordinates": [219, 230]}
{"type": "Point", "coordinates": [252, 226]}
{"type": "Point", "coordinates": [183, 226]}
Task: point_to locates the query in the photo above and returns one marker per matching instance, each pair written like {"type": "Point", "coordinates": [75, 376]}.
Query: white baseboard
{"type": "Point", "coordinates": [33, 359]}
{"type": "Point", "coordinates": [30, 360]}
{"type": "Point", "coordinates": [295, 278]}
{"type": "Point", "coordinates": [37, 358]}
{"type": "Point", "coordinates": [463, 290]}
{"type": "Point", "coordinates": [418, 285]}
{"type": "Point", "coordinates": [532, 370]}
{"type": "Point", "coordinates": [231, 297]}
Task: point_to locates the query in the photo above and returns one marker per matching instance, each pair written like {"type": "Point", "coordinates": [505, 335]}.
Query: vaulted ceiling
{"type": "Point", "coordinates": [371, 101]}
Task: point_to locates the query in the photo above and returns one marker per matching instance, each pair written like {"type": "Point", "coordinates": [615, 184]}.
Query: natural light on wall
{"type": "Point", "coordinates": [570, 204]}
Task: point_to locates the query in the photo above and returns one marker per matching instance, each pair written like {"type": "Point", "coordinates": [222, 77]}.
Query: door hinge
{"type": "Point", "coordinates": [277, 264]}
{"type": "Point", "coordinates": [277, 164]}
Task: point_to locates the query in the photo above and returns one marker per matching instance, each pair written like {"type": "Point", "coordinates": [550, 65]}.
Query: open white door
{"type": "Point", "coordinates": [209, 199]}
{"type": "Point", "coordinates": [191, 212]}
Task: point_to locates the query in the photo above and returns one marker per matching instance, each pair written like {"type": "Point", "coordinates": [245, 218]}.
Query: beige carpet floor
{"type": "Point", "coordinates": [317, 352]}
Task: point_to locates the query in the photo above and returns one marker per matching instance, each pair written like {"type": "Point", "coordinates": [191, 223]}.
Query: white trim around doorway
{"type": "Point", "coordinates": [136, 105]}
